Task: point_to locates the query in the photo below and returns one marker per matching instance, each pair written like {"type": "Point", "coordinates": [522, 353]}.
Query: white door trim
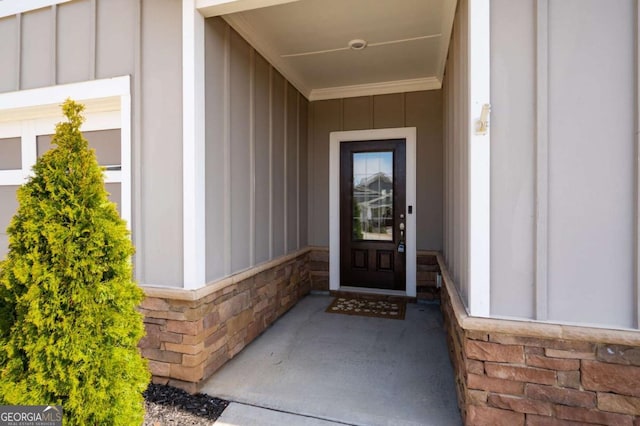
{"type": "Point", "coordinates": [335, 138]}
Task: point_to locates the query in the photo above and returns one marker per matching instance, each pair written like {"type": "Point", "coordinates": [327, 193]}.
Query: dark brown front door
{"type": "Point", "coordinates": [372, 214]}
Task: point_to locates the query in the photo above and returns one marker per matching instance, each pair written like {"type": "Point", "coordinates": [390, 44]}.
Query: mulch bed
{"type": "Point", "coordinates": [368, 307]}
{"type": "Point", "coordinates": [201, 405]}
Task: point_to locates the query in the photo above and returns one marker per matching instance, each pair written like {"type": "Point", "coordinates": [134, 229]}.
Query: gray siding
{"type": "Point", "coordinates": [116, 28]}
{"type": "Point", "coordinates": [262, 164]}
{"type": "Point", "coordinates": [456, 140]}
{"type": "Point", "coordinates": [9, 52]}
{"type": "Point", "coordinates": [418, 109]}
{"type": "Point", "coordinates": [253, 138]}
{"type": "Point", "coordinates": [70, 42]}
{"type": "Point", "coordinates": [216, 35]}
{"type": "Point", "coordinates": [591, 163]}
{"type": "Point", "coordinates": [513, 131]}
{"type": "Point", "coordinates": [240, 153]}
{"type": "Point", "coordinates": [36, 49]}
{"type": "Point", "coordinates": [277, 164]}
{"type": "Point", "coordinates": [74, 42]}
{"type": "Point", "coordinates": [575, 260]}
{"type": "Point", "coordinates": [161, 146]}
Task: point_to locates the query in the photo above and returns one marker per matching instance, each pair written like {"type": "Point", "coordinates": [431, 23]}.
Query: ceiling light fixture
{"type": "Point", "coordinates": [357, 44]}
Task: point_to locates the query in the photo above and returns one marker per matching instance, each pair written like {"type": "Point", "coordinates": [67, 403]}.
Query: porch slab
{"type": "Point", "coordinates": [346, 369]}
{"type": "Point", "coordinates": [248, 415]}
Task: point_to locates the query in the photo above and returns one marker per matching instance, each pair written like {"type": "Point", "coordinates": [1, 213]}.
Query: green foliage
{"type": "Point", "coordinates": [69, 328]}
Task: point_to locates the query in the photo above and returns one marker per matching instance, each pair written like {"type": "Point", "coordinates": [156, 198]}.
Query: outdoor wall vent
{"type": "Point", "coordinates": [357, 44]}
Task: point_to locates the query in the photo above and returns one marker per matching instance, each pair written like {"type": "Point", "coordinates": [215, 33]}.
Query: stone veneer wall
{"type": "Point", "coordinates": [524, 373]}
{"type": "Point", "coordinates": [191, 334]}
{"type": "Point", "coordinates": [426, 276]}
{"type": "Point", "coordinates": [427, 264]}
{"type": "Point", "coordinates": [319, 268]}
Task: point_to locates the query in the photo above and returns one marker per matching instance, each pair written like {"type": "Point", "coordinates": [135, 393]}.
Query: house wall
{"type": "Point", "coordinates": [422, 110]}
{"type": "Point", "coordinates": [256, 157]}
{"type": "Point", "coordinates": [77, 41]}
{"type": "Point", "coordinates": [456, 154]}
{"type": "Point", "coordinates": [564, 190]}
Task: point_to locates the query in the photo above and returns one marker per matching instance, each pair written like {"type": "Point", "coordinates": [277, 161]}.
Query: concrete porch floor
{"type": "Point", "coordinates": [316, 368]}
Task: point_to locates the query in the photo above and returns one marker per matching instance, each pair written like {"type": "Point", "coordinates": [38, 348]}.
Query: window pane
{"type": "Point", "coordinates": [8, 207]}
{"type": "Point", "coordinates": [105, 142]}
{"type": "Point", "coordinates": [115, 194]}
{"type": "Point", "coordinates": [373, 196]}
{"type": "Point", "coordinates": [10, 154]}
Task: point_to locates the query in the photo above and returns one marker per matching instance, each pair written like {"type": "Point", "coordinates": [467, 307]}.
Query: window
{"type": "Point", "coordinates": [27, 122]}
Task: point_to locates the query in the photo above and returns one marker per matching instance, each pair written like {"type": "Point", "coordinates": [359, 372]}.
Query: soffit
{"type": "Point", "coordinates": [307, 41]}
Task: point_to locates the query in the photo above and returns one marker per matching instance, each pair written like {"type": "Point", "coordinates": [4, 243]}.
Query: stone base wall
{"type": "Point", "coordinates": [427, 276]}
{"type": "Point", "coordinates": [427, 264]}
{"type": "Point", "coordinates": [522, 373]}
{"type": "Point", "coordinates": [191, 334]}
{"type": "Point", "coordinates": [319, 268]}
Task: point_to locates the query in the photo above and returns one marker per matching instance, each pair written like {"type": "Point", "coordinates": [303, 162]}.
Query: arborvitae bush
{"type": "Point", "coordinates": [69, 328]}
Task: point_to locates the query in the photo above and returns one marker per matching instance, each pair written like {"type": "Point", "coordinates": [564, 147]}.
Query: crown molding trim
{"type": "Point", "coordinates": [209, 8]}
{"type": "Point", "coordinates": [384, 88]}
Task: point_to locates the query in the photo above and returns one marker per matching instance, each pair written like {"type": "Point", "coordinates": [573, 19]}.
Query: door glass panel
{"type": "Point", "coordinates": [373, 195]}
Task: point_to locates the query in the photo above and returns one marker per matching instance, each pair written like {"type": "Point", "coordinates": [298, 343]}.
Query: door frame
{"type": "Point", "coordinates": [335, 139]}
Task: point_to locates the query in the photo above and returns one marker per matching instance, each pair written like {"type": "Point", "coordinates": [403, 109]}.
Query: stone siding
{"type": "Point", "coordinates": [188, 340]}
{"type": "Point", "coordinates": [426, 279]}
{"type": "Point", "coordinates": [427, 276]}
{"type": "Point", "coordinates": [533, 374]}
{"type": "Point", "coordinates": [319, 268]}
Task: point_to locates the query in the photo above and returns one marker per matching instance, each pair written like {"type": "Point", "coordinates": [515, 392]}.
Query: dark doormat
{"type": "Point", "coordinates": [368, 307]}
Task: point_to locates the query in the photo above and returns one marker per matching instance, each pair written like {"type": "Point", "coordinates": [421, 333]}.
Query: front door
{"type": "Point", "coordinates": [372, 214]}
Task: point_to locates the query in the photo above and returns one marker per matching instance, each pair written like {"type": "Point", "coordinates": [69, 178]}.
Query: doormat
{"type": "Point", "coordinates": [368, 307]}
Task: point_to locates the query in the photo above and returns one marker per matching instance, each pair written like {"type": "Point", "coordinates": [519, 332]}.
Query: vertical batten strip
{"type": "Point", "coordinates": [298, 171]}
{"type": "Point", "coordinates": [542, 160]}
{"type": "Point", "coordinates": [252, 157]}
{"type": "Point", "coordinates": [270, 162]}
{"type": "Point", "coordinates": [19, 51]}
{"type": "Point", "coordinates": [227, 151]}
{"type": "Point", "coordinates": [637, 177]}
{"type": "Point", "coordinates": [54, 45]}
{"type": "Point", "coordinates": [93, 48]}
{"type": "Point", "coordinates": [286, 174]}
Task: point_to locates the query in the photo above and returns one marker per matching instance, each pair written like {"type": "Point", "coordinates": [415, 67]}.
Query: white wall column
{"type": "Point", "coordinates": [193, 154]}
{"type": "Point", "coordinates": [479, 160]}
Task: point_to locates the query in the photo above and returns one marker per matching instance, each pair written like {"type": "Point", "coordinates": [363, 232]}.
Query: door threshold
{"type": "Point", "coordinates": [366, 290]}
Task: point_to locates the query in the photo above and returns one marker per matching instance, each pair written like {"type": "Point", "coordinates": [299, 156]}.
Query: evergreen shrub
{"type": "Point", "coordinates": [69, 328]}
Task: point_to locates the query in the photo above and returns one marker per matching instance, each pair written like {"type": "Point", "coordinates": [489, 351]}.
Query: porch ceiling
{"type": "Point", "coordinates": [307, 41]}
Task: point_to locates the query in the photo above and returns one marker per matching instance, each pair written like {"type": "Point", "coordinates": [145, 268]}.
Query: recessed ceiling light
{"type": "Point", "coordinates": [357, 44]}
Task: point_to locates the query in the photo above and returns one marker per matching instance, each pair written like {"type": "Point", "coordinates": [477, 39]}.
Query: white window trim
{"type": "Point", "coordinates": [47, 101]}
{"type": "Point", "coordinates": [335, 138]}
{"type": "Point", "coordinates": [13, 7]}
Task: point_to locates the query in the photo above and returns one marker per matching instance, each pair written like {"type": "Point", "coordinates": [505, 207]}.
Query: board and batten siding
{"type": "Point", "coordinates": [255, 154]}
{"type": "Point", "coordinates": [456, 154]}
{"type": "Point", "coordinates": [84, 40]}
{"type": "Point", "coordinates": [422, 110]}
{"type": "Point", "coordinates": [564, 172]}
